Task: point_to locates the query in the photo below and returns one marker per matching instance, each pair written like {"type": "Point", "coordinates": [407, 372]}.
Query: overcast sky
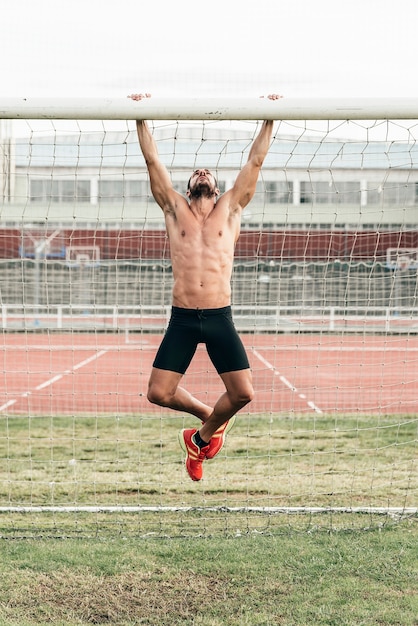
{"type": "Point", "coordinates": [299, 48]}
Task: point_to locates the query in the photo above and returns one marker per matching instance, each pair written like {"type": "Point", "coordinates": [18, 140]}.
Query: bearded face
{"type": "Point", "coordinates": [202, 183]}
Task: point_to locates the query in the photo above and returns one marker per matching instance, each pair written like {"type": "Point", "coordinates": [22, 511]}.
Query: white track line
{"type": "Point", "coordinates": [286, 382]}
{"type": "Point", "coordinates": [53, 380]}
{"type": "Point", "coordinates": [143, 347]}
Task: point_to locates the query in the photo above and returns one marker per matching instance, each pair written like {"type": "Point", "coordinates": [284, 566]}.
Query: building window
{"type": "Point", "coordinates": [315, 192]}
{"type": "Point", "coordinates": [392, 193]}
{"type": "Point", "coordinates": [333, 192]}
{"type": "Point", "coordinates": [123, 190]}
{"type": "Point", "coordinates": [278, 192]}
{"type": "Point", "coordinates": [346, 192]}
{"type": "Point", "coordinates": [399, 193]}
{"type": "Point", "coordinates": [274, 192]}
{"type": "Point", "coordinates": [50, 190]}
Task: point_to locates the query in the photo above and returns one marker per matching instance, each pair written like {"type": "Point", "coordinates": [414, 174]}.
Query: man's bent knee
{"type": "Point", "coordinates": [158, 395]}
{"type": "Point", "coordinates": [239, 387]}
{"type": "Point", "coordinates": [154, 397]}
{"type": "Point", "coordinates": [162, 387]}
{"type": "Point", "coordinates": [242, 396]}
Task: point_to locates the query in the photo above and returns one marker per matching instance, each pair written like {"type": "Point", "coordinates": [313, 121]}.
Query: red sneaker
{"type": "Point", "coordinates": [218, 439]}
{"type": "Point", "coordinates": [194, 455]}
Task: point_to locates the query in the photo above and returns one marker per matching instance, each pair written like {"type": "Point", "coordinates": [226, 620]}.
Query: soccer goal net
{"type": "Point", "coordinates": [324, 296]}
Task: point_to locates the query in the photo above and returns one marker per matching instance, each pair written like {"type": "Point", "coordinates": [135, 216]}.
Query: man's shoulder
{"type": "Point", "coordinates": [175, 202]}
{"type": "Point", "coordinates": [228, 202]}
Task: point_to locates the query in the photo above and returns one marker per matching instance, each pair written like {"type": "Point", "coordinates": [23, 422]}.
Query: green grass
{"type": "Point", "coordinates": [298, 578]}
{"type": "Point", "coordinates": [269, 461]}
{"type": "Point", "coordinates": [209, 560]}
{"type": "Point", "coordinates": [129, 459]}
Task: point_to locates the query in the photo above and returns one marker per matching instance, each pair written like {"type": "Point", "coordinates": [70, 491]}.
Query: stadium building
{"type": "Point", "coordinates": [333, 222]}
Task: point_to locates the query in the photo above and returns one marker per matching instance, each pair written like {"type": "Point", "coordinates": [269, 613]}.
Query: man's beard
{"type": "Point", "coordinates": [202, 190]}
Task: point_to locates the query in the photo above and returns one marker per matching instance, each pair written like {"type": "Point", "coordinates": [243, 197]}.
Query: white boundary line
{"type": "Point", "coordinates": [52, 380]}
{"type": "Point", "coordinates": [315, 510]}
{"type": "Point", "coordinates": [286, 382]}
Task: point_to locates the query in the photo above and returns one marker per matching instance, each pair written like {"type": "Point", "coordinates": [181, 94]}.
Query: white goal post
{"type": "Point", "coordinates": [325, 294]}
{"type": "Point", "coordinates": [209, 108]}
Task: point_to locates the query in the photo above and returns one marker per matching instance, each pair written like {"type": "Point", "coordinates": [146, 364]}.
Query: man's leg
{"type": "Point", "coordinates": [198, 445]}
{"type": "Point", "coordinates": [164, 390]}
{"type": "Point", "coordinates": [239, 392]}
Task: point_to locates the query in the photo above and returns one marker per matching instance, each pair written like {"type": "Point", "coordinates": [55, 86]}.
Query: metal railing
{"type": "Point", "coordinates": [132, 320]}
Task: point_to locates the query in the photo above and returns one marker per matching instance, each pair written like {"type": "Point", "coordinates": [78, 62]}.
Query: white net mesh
{"type": "Point", "coordinates": [324, 295]}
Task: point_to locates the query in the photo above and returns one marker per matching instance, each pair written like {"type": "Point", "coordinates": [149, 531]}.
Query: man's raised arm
{"type": "Point", "coordinates": [245, 184]}
{"type": "Point", "coordinates": [161, 185]}
{"type": "Point", "coordinates": [261, 145]}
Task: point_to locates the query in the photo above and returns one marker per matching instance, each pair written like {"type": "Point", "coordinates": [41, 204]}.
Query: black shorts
{"type": "Point", "coordinates": [213, 327]}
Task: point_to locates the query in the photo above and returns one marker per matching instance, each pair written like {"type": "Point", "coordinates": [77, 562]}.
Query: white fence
{"type": "Point", "coordinates": [133, 320]}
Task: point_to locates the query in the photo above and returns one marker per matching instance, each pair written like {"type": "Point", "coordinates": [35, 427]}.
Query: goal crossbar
{"type": "Point", "coordinates": [209, 108]}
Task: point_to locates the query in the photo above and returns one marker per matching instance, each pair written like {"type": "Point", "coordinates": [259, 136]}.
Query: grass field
{"type": "Point", "coordinates": [294, 579]}
{"type": "Point", "coordinates": [208, 553]}
{"type": "Point", "coordinates": [320, 461]}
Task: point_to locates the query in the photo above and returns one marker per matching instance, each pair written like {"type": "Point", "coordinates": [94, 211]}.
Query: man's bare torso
{"type": "Point", "coordinates": [202, 251]}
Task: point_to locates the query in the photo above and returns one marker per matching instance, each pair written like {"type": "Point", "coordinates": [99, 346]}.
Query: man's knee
{"type": "Point", "coordinates": [157, 394]}
{"type": "Point", "coordinates": [242, 395]}
{"type": "Point", "coordinates": [162, 387]}
{"type": "Point", "coordinates": [248, 394]}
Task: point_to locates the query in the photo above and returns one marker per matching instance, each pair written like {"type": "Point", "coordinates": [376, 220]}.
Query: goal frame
{"type": "Point", "coordinates": [209, 108]}
{"type": "Point", "coordinates": [189, 109]}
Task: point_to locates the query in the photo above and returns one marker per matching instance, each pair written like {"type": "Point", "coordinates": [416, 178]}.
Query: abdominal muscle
{"type": "Point", "coordinates": [202, 255]}
{"type": "Point", "coordinates": [202, 276]}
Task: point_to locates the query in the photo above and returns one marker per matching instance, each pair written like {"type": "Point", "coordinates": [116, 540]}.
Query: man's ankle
{"type": "Point", "coordinates": [199, 441]}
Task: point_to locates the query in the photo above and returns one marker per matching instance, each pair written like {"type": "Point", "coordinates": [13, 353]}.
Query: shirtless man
{"type": "Point", "coordinates": [202, 231]}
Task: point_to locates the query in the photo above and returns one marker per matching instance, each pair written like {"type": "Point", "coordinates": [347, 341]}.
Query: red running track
{"type": "Point", "coordinates": [59, 374]}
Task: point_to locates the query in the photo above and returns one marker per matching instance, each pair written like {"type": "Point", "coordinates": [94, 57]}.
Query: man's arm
{"type": "Point", "coordinates": [161, 185]}
{"type": "Point", "coordinates": [245, 184]}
